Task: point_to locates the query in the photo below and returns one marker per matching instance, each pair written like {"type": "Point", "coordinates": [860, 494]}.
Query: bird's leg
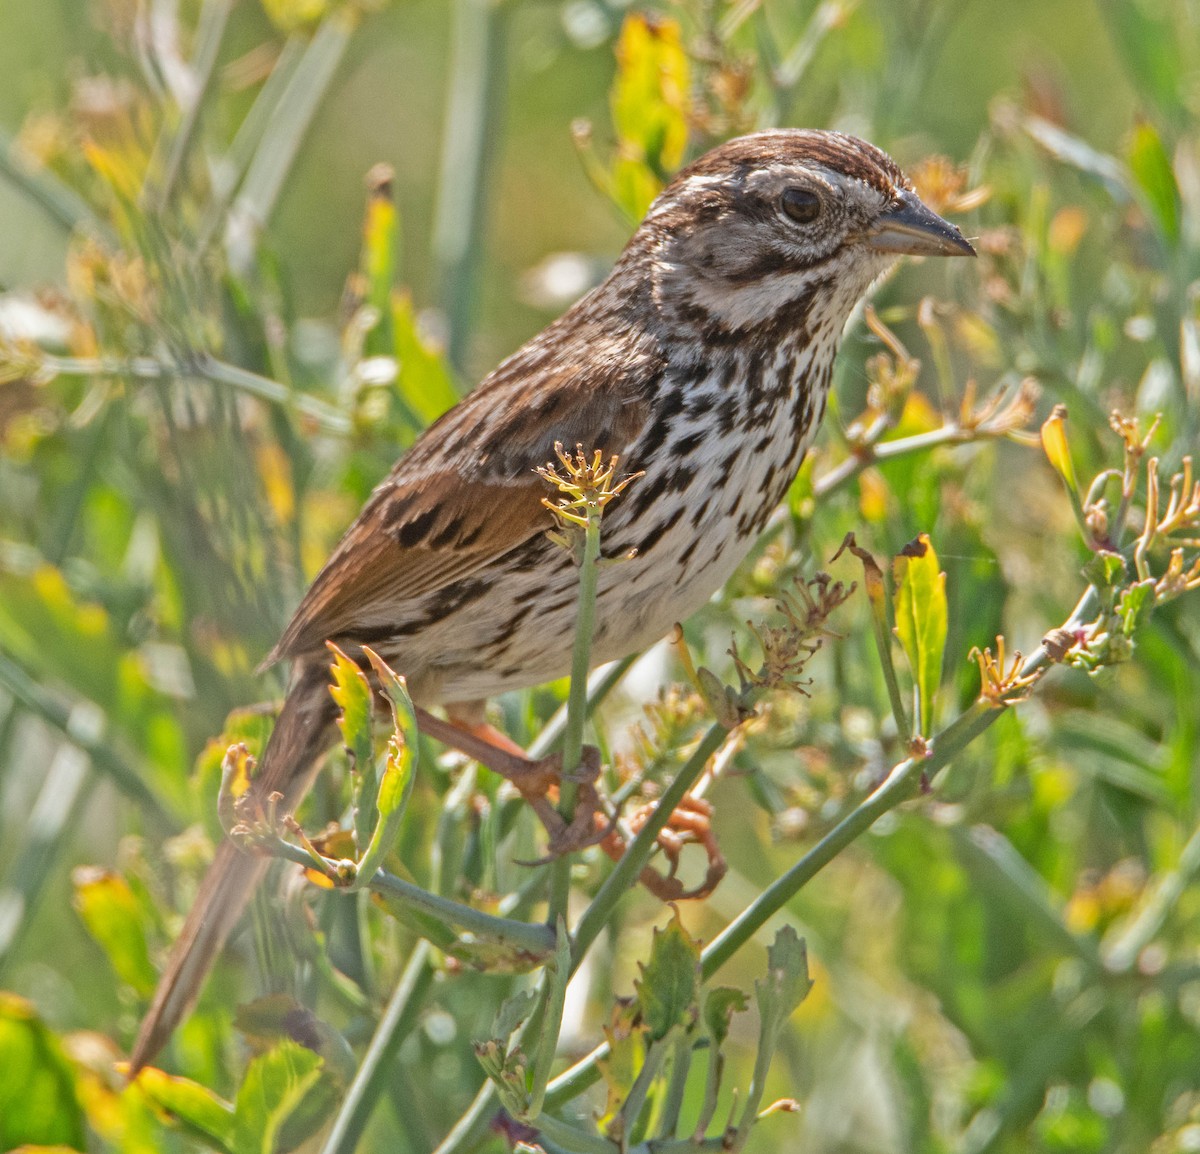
{"type": "Point", "coordinates": [535, 778]}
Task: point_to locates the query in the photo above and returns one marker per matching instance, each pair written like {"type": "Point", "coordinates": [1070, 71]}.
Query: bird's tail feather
{"type": "Point", "coordinates": [288, 766]}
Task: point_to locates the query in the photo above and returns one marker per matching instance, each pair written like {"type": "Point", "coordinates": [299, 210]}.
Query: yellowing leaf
{"type": "Point", "coordinates": [649, 108]}
{"type": "Point", "coordinates": [921, 620]}
{"type": "Point", "coordinates": [351, 693]}
{"type": "Point", "coordinates": [873, 496]}
{"type": "Point", "coordinates": [424, 382]}
{"type": "Point", "coordinates": [275, 472]}
{"type": "Point", "coordinates": [626, 1056]}
{"type": "Point", "coordinates": [113, 916]}
{"type": "Point", "coordinates": [396, 782]}
{"type": "Point", "coordinates": [195, 1108]}
{"type": "Point", "coordinates": [1058, 451]}
{"type": "Point", "coordinates": [38, 1102]}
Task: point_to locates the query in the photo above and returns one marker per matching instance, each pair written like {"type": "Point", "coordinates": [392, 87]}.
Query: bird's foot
{"type": "Point", "coordinates": [689, 824]}
{"type": "Point", "coordinates": [536, 779]}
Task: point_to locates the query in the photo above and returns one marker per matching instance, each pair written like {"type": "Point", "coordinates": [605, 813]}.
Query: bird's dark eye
{"type": "Point", "coordinates": [800, 205]}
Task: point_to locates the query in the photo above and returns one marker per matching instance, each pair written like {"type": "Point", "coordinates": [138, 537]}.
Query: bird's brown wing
{"type": "Point", "coordinates": [464, 496]}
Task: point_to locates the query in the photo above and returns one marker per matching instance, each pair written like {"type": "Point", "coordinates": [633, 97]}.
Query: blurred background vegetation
{"type": "Point", "coordinates": [203, 375]}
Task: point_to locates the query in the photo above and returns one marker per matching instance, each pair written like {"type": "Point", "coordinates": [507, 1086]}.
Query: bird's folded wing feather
{"type": "Point", "coordinates": [447, 512]}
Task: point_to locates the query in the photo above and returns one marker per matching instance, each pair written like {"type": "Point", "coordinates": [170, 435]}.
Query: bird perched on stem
{"type": "Point", "coordinates": [704, 360]}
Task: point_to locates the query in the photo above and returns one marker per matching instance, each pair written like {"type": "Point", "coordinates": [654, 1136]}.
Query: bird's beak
{"type": "Point", "coordinates": [907, 227]}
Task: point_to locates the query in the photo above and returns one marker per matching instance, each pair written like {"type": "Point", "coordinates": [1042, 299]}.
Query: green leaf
{"type": "Point", "coordinates": [424, 383]}
{"type": "Point", "coordinates": [922, 620]}
{"type": "Point", "coordinates": [1149, 44]}
{"type": "Point", "coordinates": [1105, 570]}
{"type": "Point", "coordinates": [275, 1085]}
{"type": "Point", "coordinates": [513, 1011]}
{"type": "Point", "coordinates": [719, 1008]}
{"type": "Point", "coordinates": [1000, 872]}
{"type": "Point", "coordinates": [1155, 178]}
{"type": "Point", "coordinates": [38, 1101]}
{"type": "Point", "coordinates": [116, 919]}
{"type": "Point", "coordinates": [787, 983]}
{"type": "Point", "coordinates": [351, 693]}
{"type": "Point", "coordinates": [194, 1107]}
{"type": "Point", "coordinates": [276, 1018]}
{"type": "Point", "coordinates": [1135, 606]}
{"type": "Point", "coordinates": [778, 994]}
{"type": "Point", "coordinates": [1075, 151]}
{"type": "Point", "coordinates": [668, 988]}
{"type": "Point", "coordinates": [396, 781]}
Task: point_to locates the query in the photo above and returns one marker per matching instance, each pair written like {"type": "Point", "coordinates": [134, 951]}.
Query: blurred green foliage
{"type": "Point", "coordinates": [212, 346]}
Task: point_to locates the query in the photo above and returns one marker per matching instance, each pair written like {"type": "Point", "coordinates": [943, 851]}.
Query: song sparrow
{"type": "Point", "coordinates": [704, 359]}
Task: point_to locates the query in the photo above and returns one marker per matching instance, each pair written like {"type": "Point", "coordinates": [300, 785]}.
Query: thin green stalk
{"type": "Point", "coordinates": [211, 30]}
{"type": "Point", "coordinates": [291, 117]}
{"type": "Point", "coordinates": [581, 656]}
{"type": "Point", "coordinates": [65, 719]}
{"type": "Point", "coordinates": [883, 646]}
{"type": "Point", "coordinates": [631, 1108]}
{"type": "Point", "coordinates": [900, 785]}
{"type": "Point", "coordinates": [535, 939]}
{"type": "Point", "coordinates": [228, 175]}
{"type": "Point", "coordinates": [672, 1103]}
{"type": "Point", "coordinates": [369, 1082]}
{"type": "Point", "coordinates": [569, 1138]}
{"type": "Point", "coordinates": [212, 369]}
{"type": "Point", "coordinates": [472, 1126]}
{"type": "Point", "coordinates": [1123, 952]}
{"type": "Point", "coordinates": [600, 684]}
{"type": "Point", "coordinates": [60, 202]}
{"type": "Point", "coordinates": [554, 979]}
{"type": "Point", "coordinates": [60, 804]}
{"type": "Point", "coordinates": [873, 453]}
{"type": "Point", "coordinates": [572, 743]}
{"type": "Point", "coordinates": [474, 108]}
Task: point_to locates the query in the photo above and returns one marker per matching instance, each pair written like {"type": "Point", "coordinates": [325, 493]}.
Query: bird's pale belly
{"type": "Point", "coordinates": [521, 632]}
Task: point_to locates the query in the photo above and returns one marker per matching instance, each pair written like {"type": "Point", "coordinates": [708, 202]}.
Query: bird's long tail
{"type": "Point", "coordinates": [288, 766]}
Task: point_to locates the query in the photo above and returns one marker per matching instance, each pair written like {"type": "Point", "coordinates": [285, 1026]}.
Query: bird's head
{"type": "Point", "coordinates": [775, 220]}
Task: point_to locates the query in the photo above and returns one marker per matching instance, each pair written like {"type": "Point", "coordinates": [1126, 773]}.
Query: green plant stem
{"type": "Point", "coordinates": [65, 719]}
{"type": "Point", "coordinates": [291, 117]}
{"type": "Point", "coordinates": [883, 645]}
{"type": "Point", "coordinates": [625, 873]}
{"type": "Point", "coordinates": [871, 453]}
{"type": "Point", "coordinates": [899, 784]}
{"type": "Point", "coordinates": [536, 939]}
{"type": "Point", "coordinates": [569, 1138]}
{"type": "Point", "coordinates": [220, 372]}
{"type": "Point", "coordinates": [599, 685]}
{"type": "Point", "coordinates": [1121, 955]}
{"type": "Point", "coordinates": [371, 1078]}
{"type": "Point", "coordinates": [211, 30]}
{"type": "Point", "coordinates": [475, 105]}
{"type": "Point", "coordinates": [572, 743]}
{"type": "Point", "coordinates": [60, 202]}
{"type": "Point", "coordinates": [471, 1127]}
